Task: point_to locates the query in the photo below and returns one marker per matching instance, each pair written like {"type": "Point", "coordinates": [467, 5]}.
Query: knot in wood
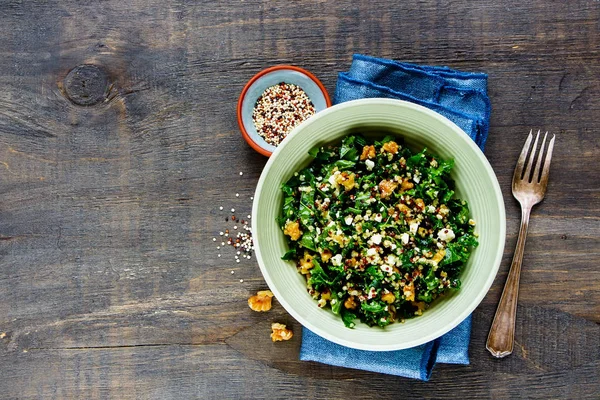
{"type": "Point", "coordinates": [86, 85]}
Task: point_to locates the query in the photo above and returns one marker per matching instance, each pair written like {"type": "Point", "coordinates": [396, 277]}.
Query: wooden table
{"type": "Point", "coordinates": [111, 179]}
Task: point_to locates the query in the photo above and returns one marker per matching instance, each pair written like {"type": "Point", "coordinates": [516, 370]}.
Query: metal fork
{"type": "Point", "coordinates": [529, 188]}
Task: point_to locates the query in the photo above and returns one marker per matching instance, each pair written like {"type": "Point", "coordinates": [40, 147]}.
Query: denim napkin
{"type": "Point", "coordinates": [462, 98]}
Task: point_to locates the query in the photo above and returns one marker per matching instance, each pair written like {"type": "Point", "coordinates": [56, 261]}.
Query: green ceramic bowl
{"type": "Point", "coordinates": [419, 127]}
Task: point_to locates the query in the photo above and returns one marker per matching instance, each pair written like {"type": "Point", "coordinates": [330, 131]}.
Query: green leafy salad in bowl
{"type": "Point", "coordinates": [376, 229]}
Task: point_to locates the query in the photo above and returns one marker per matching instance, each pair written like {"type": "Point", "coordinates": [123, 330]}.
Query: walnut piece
{"type": "Point", "coordinates": [350, 304]}
{"type": "Point", "coordinates": [326, 255]}
{"type": "Point", "coordinates": [386, 188]}
{"type": "Point", "coordinates": [390, 147]}
{"type": "Point", "coordinates": [368, 153]}
{"type": "Point", "coordinates": [261, 301]}
{"type": "Point", "coordinates": [280, 332]}
{"type": "Point", "coordinates": [345, 179]}
{"type": "Point", "coordinates": [292, 229]}
{"type": "Point", "coordinates": [406, 184]}
{"type": "Point", "coordinates": [388, 298]}
{"type": "Point", "coordinates": [439, 256]}
{"type": "Point", "coordinates": [306, 263]}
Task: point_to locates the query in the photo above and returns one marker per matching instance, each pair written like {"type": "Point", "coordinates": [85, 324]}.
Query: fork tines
{"type": "Point", "coordinates": [537, 176]}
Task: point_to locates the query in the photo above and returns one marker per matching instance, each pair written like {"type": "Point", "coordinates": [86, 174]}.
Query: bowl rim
{"type": "Point", "coordinates": [265, 71]}
{"type": "Point", "coordinates": [460, 317]}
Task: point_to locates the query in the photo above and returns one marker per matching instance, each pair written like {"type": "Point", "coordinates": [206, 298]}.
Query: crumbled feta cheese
{"type": "Point", "coordinates": [372, 251]}
{"type": "Point", "coordinates": [332, 178]}
{"type": "Point", "coordinates": [378, 218]}
{"type": "Point", "coordinates": [376, 238]}
{"type": "Point", "coordinates": [386, 268]}
{"type": "Point", "coordinates": [336, 260]}
{"type": "Point", "coordinates": [348, 220]}
{"type": "Point", "coordinates": [370, 164]}
{"type": "Point", "coordinates": [413, 227]}
{"type": "Point", "coordinates": [405, 238]}
{"type": "Point", "coordinates": [446, 235]}
{"type": "Point", "coordinates": [372, 293]}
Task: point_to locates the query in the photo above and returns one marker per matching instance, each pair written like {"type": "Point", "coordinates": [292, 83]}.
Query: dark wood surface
{"type": "Point", "coordinates": [111, 179]}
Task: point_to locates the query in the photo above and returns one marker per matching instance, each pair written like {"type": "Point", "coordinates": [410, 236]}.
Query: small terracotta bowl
{"type": "Point", "coordinates": [269, 77]}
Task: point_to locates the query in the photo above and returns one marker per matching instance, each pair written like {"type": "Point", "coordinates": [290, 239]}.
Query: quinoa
{"type": "Point", "coordinates": [280, 109]}
{"type": "Point", "coordinates": [376, 230]}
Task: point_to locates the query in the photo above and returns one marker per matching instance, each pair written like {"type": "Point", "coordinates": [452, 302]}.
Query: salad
{"type": "Point", "coordinates": [376, 229]}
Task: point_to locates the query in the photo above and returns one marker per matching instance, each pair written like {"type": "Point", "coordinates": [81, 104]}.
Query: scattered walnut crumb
{"type": "Point", "coordinates": [261, 301]}
{"type": "Point", "coordinates": [280, 332]}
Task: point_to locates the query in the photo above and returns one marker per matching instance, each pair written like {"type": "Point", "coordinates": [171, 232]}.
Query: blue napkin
{"type": "Point", "coordinates": [462, 98]}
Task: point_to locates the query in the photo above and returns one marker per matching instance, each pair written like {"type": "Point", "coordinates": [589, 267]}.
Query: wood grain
{"type": "Point", "coordinates": [110, 283]}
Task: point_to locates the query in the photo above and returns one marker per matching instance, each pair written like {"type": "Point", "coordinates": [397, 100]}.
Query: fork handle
{"type": "Point", "coordinates": [502, 333]}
